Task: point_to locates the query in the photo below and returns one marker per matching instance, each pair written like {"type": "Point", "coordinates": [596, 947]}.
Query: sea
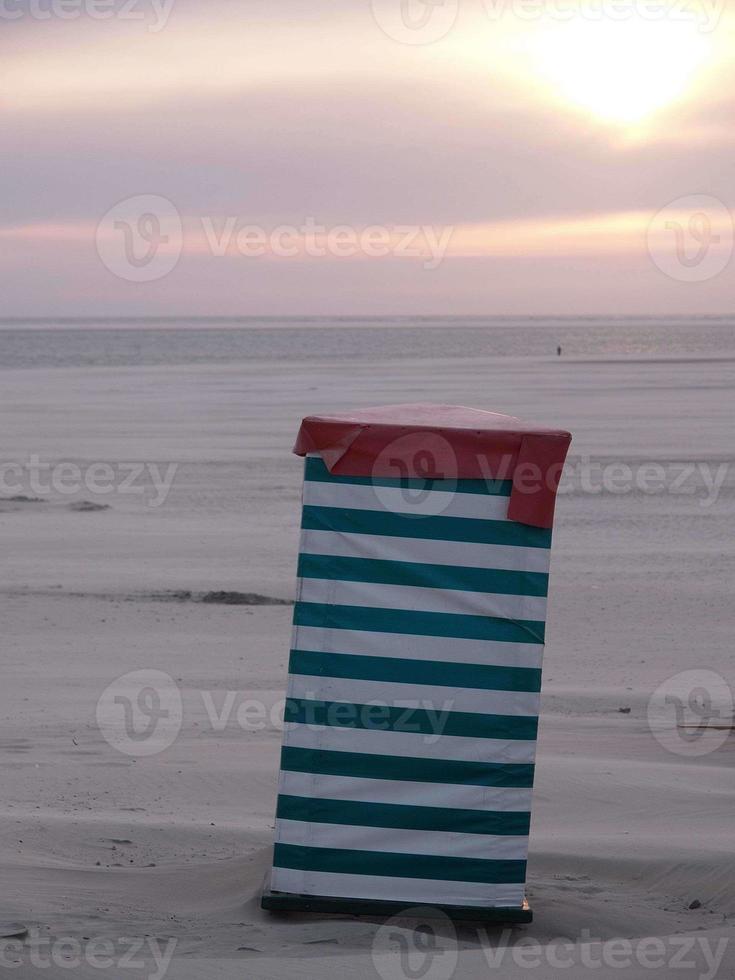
{"type": "Point", "coordinates": [116, 342]}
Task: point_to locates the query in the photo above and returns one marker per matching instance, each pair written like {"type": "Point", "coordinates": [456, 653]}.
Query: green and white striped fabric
{"type": "Point", "coordinates": [413, 693]}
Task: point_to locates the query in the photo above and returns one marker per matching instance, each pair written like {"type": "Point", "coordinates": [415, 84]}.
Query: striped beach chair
{"type": "Point", "coordinates": [415, 669]}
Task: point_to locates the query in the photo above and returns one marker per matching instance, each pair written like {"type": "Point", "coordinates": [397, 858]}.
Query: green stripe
{"type": "Point", "coordinates": [423, 575]}
{"type": "Point", "coordinates": [364, 765]}
{"type": "Point", "coordinates": [401, 817]}
{"type": "Point", "coordinates": [412, 721]}
{"type": "Point", "coordinates": [391, 524]}
{"type": "Point", "coordinates": [316, 472]}
{"type": "Point", "coordinates": [380, 620]}
{"type": "Point", "coordinates": [485, 677]}
{"type": "Point", "coordinates": [337, 860]}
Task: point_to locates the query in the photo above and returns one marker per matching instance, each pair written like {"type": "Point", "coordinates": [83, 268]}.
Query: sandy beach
{"type": "Point", "coordinates": [222, 218]}
{"type": "Point", "coordinates": [630, 840]}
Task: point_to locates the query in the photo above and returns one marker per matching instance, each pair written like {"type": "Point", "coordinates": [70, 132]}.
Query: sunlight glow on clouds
{"type": "Point", "coordinates": [532, 139]}
{"type": "Point", "coordinates": [603, 233]}
{"type": "Point", "coordinates": [143, 69]}
{"type": "Point", "coordinates": [613, 73]}
{"type": "Point", "coordinates": [621, 71]}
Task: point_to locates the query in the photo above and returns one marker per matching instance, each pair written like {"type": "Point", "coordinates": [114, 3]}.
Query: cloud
{"type": "Point", "coordinates": [41, 280]}
{"type": "Point", "coordinates": [354, 156]}
{"type": "Point", "coordinates": [276, 113]}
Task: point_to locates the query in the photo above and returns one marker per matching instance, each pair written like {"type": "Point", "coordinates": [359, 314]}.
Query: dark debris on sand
{"type": "Point", "coordinates": [84, 506]}
{"type": "Point", "coordinates": [243, 599]}
{"type": "Point", "coordinates": [219, 597]}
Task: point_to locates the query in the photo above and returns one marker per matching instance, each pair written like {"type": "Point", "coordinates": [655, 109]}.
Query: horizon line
{"type": "Point", "coordinates": [355, 317]}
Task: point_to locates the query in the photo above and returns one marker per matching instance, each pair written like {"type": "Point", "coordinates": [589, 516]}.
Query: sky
{"type": "Point", "coordinates": [366, 157]}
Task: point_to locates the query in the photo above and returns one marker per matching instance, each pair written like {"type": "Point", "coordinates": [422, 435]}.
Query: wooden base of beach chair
{"type": "Point", "coordinates": [285, 902]}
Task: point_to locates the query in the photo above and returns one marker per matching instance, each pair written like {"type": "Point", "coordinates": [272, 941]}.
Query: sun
{"type": "Point", "coordinates": [620, 71]}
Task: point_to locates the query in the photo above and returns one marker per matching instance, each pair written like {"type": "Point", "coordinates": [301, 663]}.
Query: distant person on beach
{"type": "Point", "coordinates": [558, 351]}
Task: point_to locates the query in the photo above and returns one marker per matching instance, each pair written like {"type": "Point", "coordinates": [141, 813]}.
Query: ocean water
{"type": "Point", "coordinates": [127, 343]}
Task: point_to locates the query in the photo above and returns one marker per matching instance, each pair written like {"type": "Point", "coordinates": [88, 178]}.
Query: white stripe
{"type": "Point", "coordinates": [408, 744]}
{"type": "Point", "coordinates": [410, 793]}
{"type": "Point", "coordinates": [419, 890]}
{"type": "Point", "coordinates": [418, 599]}
{"type": "Point", "coordinates": [431, 697]}
{"type": "Point", "coordinates": [400, 841]}
{"type": "Point", "coordinates": [400, 500]}
{"type": "Point", "coordinates": [445, 649]}
{"type": "Point", "coordinates": [347, 544]}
